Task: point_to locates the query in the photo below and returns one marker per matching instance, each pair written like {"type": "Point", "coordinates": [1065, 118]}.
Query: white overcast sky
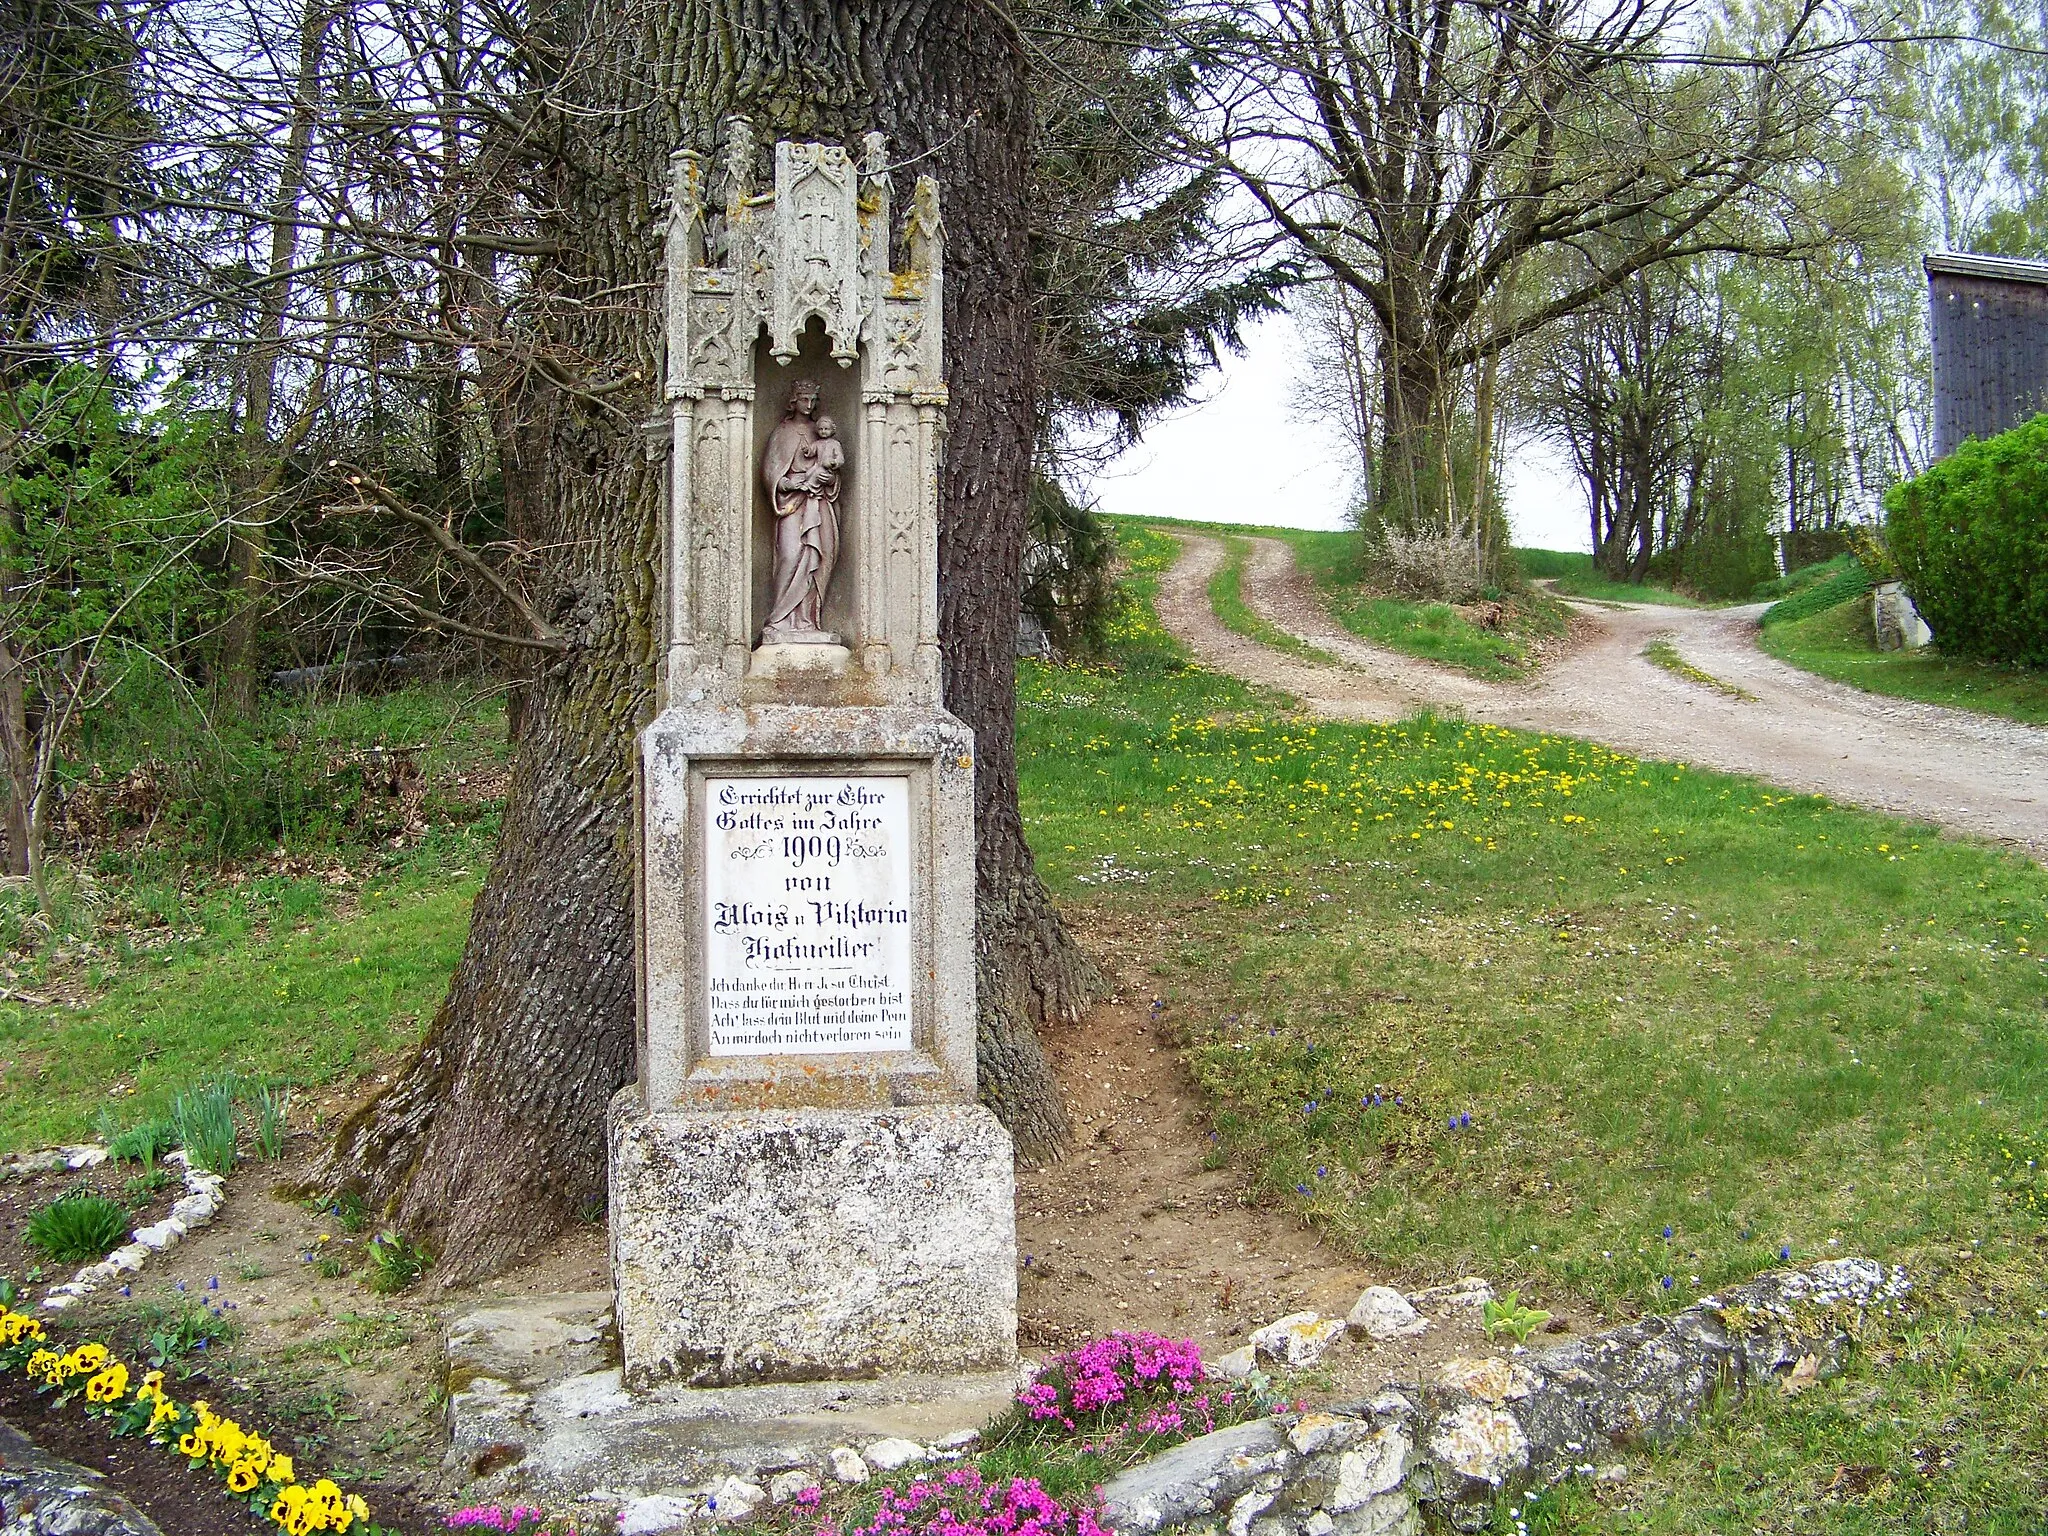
{"type": "Point", "coordinates": [1243, 456]}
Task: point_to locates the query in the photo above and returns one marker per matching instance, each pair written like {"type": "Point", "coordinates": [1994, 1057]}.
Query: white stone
{"type": "Point", "coordinates": [129, 1258]}
{"type": "Point", "coordinates": [1471, 1292]}
{"type": "Point", "coordinates": [1248, 1507]}
{"type": "Point", "coordinates": [1374, 1468]}
{"type": "Point", "coordinates": [1382, 1313]}
{"type": "Point", "coordinates": [1319, 1523]}
{"type": "Point", "coordinates": [76, 1158]}
{"type": "Point", "coordinates": [1298, 1339]}
{"type": "Point", "coordinates": [656, 1515]}
{"type": "Point", "coordinates": [735, 1498]}
{"type": "Point", "coordinates": [1314, 1432]}
{"type": "Point", "coordinates": [158, 1237]}
{"type": "Point", "coordinates": [793, 1244]}
{"type": "Point", "coordinates": [784, 1486]}
{"type": "Point", "coordinates": [888, 1455]}
{"type": "Point", "coordinates": [1237, 1364]}
{"type": "Point", "coordinates": [960, 1439]}
{"type": "Point", "coordinates": [1480, 1442]}
{"type": "Point", "coordinates": [1390, 1514]}
{"type": "Point", "coordinates": [847, 1466]}
{"type": "Point", "coordinates": [1494, 1379]}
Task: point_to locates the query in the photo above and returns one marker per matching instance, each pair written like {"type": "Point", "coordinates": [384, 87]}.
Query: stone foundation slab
{"type": "Point", "coordinates": [793, 1245]}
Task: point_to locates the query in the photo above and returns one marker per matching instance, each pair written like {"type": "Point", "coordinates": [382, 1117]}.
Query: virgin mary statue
{"type": "Point", "coordinates": [800, 472]}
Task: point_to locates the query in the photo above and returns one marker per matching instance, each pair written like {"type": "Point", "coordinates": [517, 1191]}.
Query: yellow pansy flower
{"type": "Point", "coordinates": [241, 1477]}
{"type": "Point", "coordinates": [109, 1386]}
{"type": "Point", "coordinates": [281, 1470]}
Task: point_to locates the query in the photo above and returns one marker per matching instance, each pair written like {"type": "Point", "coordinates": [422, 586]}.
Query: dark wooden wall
{"type": "Point", "coordinates": [1990, 339]}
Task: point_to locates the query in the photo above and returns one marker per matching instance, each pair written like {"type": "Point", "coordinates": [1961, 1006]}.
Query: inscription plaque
{"type": "Point", "coordinates": [807, 931]}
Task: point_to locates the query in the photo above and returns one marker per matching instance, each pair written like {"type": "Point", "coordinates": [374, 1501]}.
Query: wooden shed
{"type": "Point", "coordinates": [1988, 318]}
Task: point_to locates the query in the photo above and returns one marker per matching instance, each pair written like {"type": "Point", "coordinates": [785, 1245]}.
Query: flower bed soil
{"type": "Point", "coordinates": [23, 1194]}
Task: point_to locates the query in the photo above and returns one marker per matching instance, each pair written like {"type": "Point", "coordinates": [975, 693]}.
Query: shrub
{"type": "Point", "coordinates": [1971, 540]}
{"type": "Point", "coordinates": [1432, 565]}
{"type": "Point", "coordinates": [74, 1228]}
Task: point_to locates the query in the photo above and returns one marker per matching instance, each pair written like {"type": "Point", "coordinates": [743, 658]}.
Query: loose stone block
{"type": "Point", "coordinates": [797, 1244]}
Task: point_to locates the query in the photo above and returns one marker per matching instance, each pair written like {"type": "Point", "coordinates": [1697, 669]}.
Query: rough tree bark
{"type": "Point", "coordinates": [491, 1139]}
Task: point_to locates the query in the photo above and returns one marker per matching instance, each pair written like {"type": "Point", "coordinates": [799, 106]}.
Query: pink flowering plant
{"type": "Point", "coordinates": [1122, 1396]}
{"type": "Point", "coordinates": [964, 1503]}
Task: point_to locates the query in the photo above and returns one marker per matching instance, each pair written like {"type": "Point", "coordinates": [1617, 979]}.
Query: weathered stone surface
{"type": "Point", "coordinates": [888, 1455]}
{"type": "Point", "coordinates": [41, 1495]}
{"type": "Point", "coordinates": [1199, 1477]}
{"type": "Point", "coordinates": [735, 1498]}
{"type": "Point", "coordinates": [784, 1486]}
{"type": "Point", "coordinates": [848, 1465]}
{"type": "Point", "coordinates": [657, 1515]}
{"type": "Point", "coordinates": [530, 1341]}
{"type": "Point", "coordinates": [797, 1244]}
{"type": "Point", "coordinates": [1493, 1380]}
{"type": "Point", "coordinates": [1381, 1312]}
{"type": "Point", "coordinates": [557, 1435]}
{"type": "Point", "coordinates": [1378, 1466]}
{"type": "Point", "coordinates": [1298, 1339]}
{"type": "Point", "coordinates": [1237, 1364]}
{"type": "Point", "coordinates": [1470, 1292]}
{"type": "Point", "coordinates": [1480, 1427]}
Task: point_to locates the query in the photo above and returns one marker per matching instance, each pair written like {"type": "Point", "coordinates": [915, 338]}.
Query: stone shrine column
{"type": "Point", "coordinates": [802, 1183]}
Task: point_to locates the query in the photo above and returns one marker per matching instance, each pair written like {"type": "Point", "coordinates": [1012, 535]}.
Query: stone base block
{"type": "Point", "coordinates": [793, 1245]}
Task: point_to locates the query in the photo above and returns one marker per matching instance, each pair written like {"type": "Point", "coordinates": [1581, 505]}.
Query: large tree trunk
{"type": "Point", "coordinates": [492, 1138]}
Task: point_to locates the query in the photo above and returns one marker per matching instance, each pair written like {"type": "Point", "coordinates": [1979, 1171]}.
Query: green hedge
{"type": "Point", "coordinates": [1971, 539]}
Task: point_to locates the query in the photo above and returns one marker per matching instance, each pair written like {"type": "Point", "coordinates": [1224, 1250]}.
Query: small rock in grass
{"type": "Point", "coordinates": [77, 1158]}
{"type": "Point", "coordinates": [735, 1498]}
{"type": "Point", "coordinates": [1381, 1312]}
{"type": "Point", "coordinates": [655, 1515]}
{"type": "Point", "coordinates": [784, 1486]}
{"type": "Point", "coordinates": [959, 1440]}
{"type": "Point", "coordinates": [1613, 1472]}
{"type": "Point", "coordinates": [1236, 1365]}
{"type": "Point", "coordinates": [847, 1466]}
{"type": "Point", "coordinates": [1298, 1339]}
{"type": "Point", "coordinates": [888, 1455]}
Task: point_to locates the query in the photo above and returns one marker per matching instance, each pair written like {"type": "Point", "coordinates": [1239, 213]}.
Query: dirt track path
{"type": "Point", "coordinates": [1971, 773]}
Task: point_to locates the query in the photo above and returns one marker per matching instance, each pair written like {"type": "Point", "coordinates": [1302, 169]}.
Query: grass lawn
{"type": "Point", "coordinates": [1433, 631]}
{"type": "Point", "coordinates": [1837, 643]}
{"type": "Point", "coordinates": [1665, 998]}
{"type": "Point", "coordinates": [1572, 575]}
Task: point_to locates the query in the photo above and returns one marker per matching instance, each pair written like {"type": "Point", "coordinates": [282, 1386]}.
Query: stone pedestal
{"type": "Point", "coordinates": [801, 1244]}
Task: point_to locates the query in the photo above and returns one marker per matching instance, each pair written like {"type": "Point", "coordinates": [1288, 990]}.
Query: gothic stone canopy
{"type": "Point", "coordinates": [768, 291]}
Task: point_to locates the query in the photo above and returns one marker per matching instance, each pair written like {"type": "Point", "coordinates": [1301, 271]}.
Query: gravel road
{"type": "Point", "coordinates": [1967, 772]}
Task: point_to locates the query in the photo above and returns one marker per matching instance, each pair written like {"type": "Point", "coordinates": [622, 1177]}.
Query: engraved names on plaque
{"type": "Point", "coordinates": [807, 922]}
